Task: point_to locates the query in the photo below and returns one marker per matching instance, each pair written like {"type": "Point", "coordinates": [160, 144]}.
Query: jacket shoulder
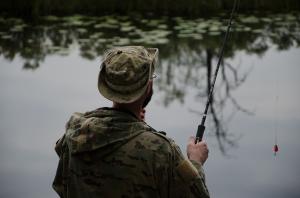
{"type": "Point", "coordinates": [157, 142]}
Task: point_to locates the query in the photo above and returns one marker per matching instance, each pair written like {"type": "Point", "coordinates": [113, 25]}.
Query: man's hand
{"type": "Point", "coordinates": [197, 152]}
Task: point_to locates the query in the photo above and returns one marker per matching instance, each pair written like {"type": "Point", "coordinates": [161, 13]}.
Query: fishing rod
{"type": "Point", "coordinates": [201, 127]}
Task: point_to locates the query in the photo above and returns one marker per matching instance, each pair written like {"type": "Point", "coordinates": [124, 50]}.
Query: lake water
{"type": "Point", "coordinates": [49, 70]}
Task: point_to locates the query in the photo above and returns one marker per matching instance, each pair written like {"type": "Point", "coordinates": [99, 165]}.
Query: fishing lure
{"type": "Point", "coordinates": [275, 149]}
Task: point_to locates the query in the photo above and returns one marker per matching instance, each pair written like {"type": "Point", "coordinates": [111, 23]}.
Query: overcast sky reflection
{"type": "Point", "coordinates": [36, 104]}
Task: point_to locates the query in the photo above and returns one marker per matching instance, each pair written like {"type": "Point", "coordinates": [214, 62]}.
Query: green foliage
{"type": "Point", "coordinates": [35, 8]}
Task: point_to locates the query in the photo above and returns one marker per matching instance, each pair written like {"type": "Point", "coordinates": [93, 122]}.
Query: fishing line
{"type": "Point", "coordinates": [276, 147]}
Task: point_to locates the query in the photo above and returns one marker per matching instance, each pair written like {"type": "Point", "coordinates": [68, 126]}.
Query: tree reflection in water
{"type": "Point", "coordinates": [195, 69]}
{"type": "Point", "coordinates": [188, 49]}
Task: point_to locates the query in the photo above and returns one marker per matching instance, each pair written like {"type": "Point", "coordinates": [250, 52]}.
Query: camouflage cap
{"type": "Point", "coordinates": [125, 72]}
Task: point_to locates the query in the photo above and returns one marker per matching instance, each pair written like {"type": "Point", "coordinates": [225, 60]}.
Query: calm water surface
{"type": "Point", "coordinates": [49, 70]}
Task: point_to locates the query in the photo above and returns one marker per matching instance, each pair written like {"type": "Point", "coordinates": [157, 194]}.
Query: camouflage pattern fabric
{"type": "Point", "coordinates": [125, 72]}
{"type": "Point", "coordinates": [110, 153]}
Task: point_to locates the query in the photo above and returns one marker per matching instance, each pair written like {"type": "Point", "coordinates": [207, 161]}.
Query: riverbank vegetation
{"type": "Point", "coordinates": [33, 9]}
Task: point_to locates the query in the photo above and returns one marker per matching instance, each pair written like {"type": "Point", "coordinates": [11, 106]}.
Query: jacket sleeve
{"type": "Point", "coordinates": [188, 177]}
{"type": "Point", "coordinates": [60, 180]}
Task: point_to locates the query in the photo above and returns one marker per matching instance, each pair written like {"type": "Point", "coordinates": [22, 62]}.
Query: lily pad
{"type": "Point", "coordinates": [101, 40]}
{"type": "Point", "coordinates": [161, 41]}
{"type": "Point", "coordinates": [51, 18]}
{"type": "Point", "coordinates": [258, 31]}
{"type": "Point", "coordinates": [122, 41]}
{"type": "Point", "coordinates": [111, 20]}
{"type": "Point", "coordinates": [200, 20]}
{"type": "Point", "coordinates": [180, 35]}
{"type": "Point", "coordinates": [162, 26]}
{"type": "Point", "coordinates": [73, 18]}
{"type": "Point", "coordinates": [96, 35]}
{"type": "Point", "coordinates": [277, 18]}
{"type": "Point", "coordinates": [54, 48]}
{"type": "Point", "coordinates": [238, 29]}
{"type": "Point", "coordinates": [201, 31]}
{"type": "Point", "coordinates": [15, 21]}
{"type": "Point", "coordinates": [133, 33]}
{"type": "Point", "coordinates": [246, 29]}
{"type": "Point", "coordinates": [282, 23]}
{"type": "Point", "coordinates": [178, 19]}
{"type": "Point", "coordinates": [266, 20]}
{"type": "Point", "coordinates": [82, 40]}
{"type": "Point", "coordinates": [290, 17]}
{"type": "Point", "coordinates": [249, 19]}
{"type": "Point", "coordinates": [76, 23]}
{"type": "Point", "coordinates": [139, 40]}
{"type": "Point", "coordinates": [178, 27]}
{"type": "Point", "coordinates": [214, 28]}
{"type": "Point", "coordinates": [126, 24]}
{"type": "Point", "coordinates": [144, 21]}
{"type": "Point", "coordinates": [6, 37]}
{"type": "Point", "coordinates": [81, 30]}
{"type": "Point", "coordinates": [186, 31]}
{"type": "Point", "coordinates": [161, 33]}
{"type": "Point", "coordinates": [124, 18]}
{"type": "Point", "coordinates": [214, 33]}
{"type": "Point", "coordinates": [127, 28]}
{"type": "Point", "coordinates": [63, 31]}
{"type": "Point", "coordinates": [202, 25]}
{"type": "Point", "coordinates": [197, 36]}
{"type": "Point", "coordinates": [154, 22]}
{"type": "Point", "coordinates": [105, 25]}
{"type": "Point", "coordinates": [17, 28]}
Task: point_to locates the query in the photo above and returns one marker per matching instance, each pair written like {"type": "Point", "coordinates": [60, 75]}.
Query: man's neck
{"type": "Point", "coordinates": [132, 107]}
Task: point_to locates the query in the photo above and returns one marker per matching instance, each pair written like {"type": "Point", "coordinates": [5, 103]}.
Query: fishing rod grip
{"type": "Point", "coordinates": [200, 133]}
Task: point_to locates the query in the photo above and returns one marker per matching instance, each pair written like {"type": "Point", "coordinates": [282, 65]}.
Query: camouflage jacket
{"type": "Point", "coordinates": [110, 153]}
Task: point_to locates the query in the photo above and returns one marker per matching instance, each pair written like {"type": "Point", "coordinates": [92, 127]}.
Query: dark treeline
{"type": "Point", "coordinates": [36, 8]}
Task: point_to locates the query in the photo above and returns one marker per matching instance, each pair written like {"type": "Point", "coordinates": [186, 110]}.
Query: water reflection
{"type": "Point", "coordinates": [57, 35]}
{"type": "Point", "coordinates": [188, 50]}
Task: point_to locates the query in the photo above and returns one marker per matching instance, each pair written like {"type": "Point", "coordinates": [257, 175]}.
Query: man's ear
{"type": "Point", "coordinates": [150, 86]}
